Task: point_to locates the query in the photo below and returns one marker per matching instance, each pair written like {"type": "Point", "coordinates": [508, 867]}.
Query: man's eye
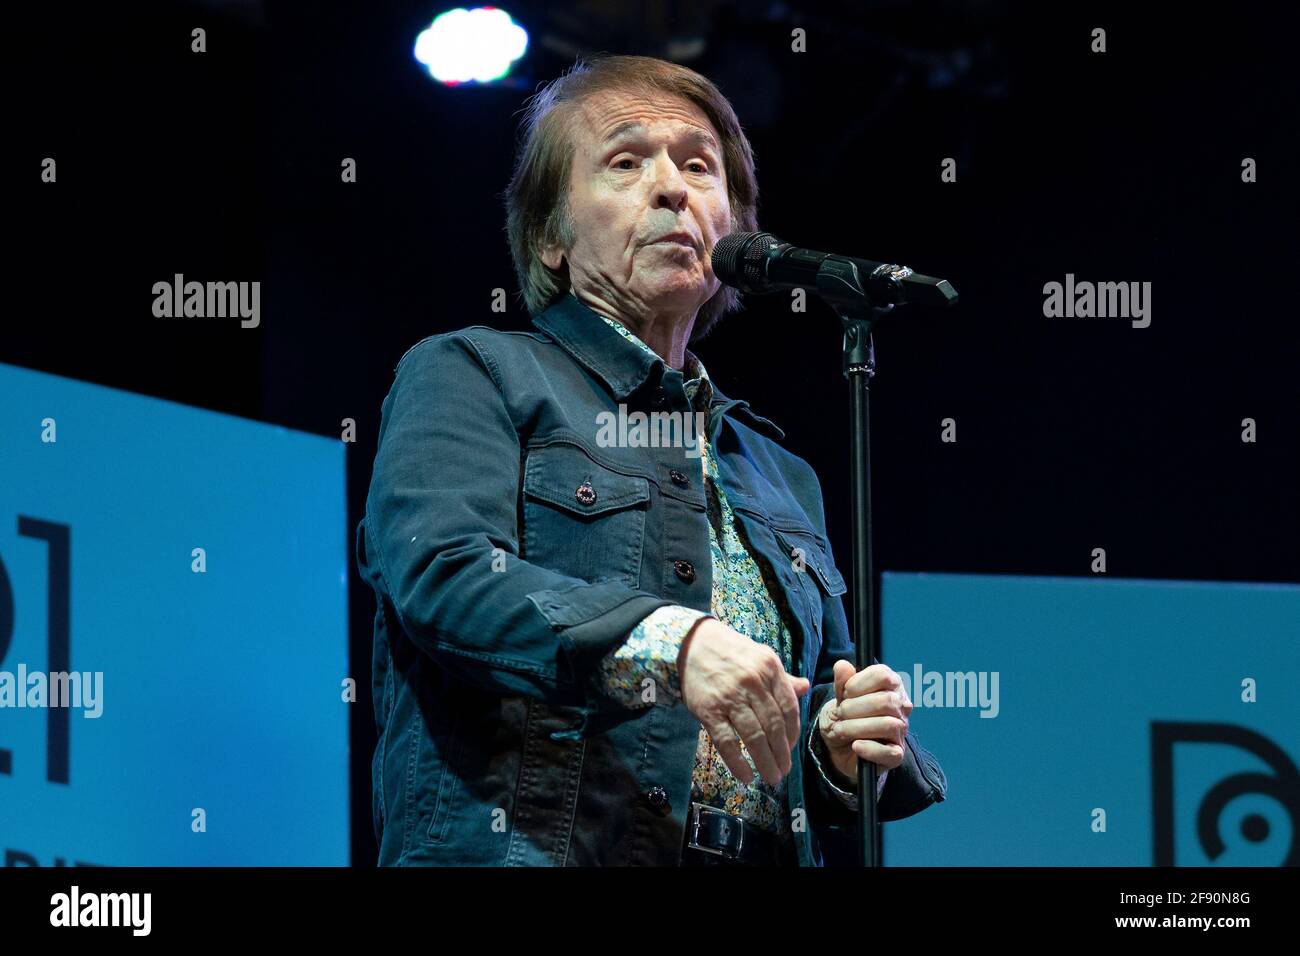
{"type": "Point", "coordinates": [622, 161]}
{"type": "Point", "coordinates": [704, 167]}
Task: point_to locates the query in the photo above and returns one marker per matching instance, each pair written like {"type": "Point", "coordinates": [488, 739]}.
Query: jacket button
{"type": "Point", "coordinates": [585, 494]}
{"type": "Point", "coordinates": [658, 798]}
{"type": "Point", "coordinates": [678, 478]}
{"type": "Point", "coordinates": [685, 570]}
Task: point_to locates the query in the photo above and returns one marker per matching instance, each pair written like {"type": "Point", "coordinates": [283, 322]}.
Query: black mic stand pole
{"type": "Point", "coordinates": [840, 284]}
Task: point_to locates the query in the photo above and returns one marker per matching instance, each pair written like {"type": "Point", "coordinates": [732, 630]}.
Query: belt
{"type": "Point", "coordinates": [727, 839]}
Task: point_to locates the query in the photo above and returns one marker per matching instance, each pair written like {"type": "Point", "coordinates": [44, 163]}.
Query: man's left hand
{"type": "Point", "coordinates": [867, 719]}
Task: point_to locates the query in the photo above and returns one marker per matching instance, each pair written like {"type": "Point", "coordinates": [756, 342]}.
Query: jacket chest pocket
{"type": "Point", "coordinates": [582, 518]}
{"type": "Point", "coordinates": [810, 556]}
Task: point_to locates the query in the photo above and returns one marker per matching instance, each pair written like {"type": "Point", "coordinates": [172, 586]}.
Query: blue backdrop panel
{"type": "Point", "coordinates": [222, 691]}
{"type": "Point", "coordinates": [1114, 697]}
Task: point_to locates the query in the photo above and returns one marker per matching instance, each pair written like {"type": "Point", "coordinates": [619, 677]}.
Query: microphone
{"type": "Point", "coordinates": [758, 262]}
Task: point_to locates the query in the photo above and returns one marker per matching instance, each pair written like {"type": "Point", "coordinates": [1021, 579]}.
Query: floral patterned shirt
{"type": "Point", "coordinates": [742, 599]}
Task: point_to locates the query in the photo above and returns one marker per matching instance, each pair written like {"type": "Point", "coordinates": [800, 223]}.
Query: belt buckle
{"type": "Point", "coordinates": [693, 842]}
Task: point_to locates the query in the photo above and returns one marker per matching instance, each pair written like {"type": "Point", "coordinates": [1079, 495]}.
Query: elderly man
{"type": "Point", "coordinates": [593, 646]}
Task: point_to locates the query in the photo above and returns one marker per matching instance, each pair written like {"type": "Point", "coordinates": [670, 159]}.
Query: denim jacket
{"type": "Point", "coordinates": [510, 551]}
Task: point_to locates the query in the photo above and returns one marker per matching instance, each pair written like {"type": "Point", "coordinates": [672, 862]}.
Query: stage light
{"type": "Point", "coordinates": [478, 45]}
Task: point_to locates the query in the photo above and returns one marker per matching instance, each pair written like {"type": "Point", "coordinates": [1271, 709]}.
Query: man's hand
{"type": "Point", "coordinates": [739, 691]}
{"type": "Point", "coordinates": [867, 719]}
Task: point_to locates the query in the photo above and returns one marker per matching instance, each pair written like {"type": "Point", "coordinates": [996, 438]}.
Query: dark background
{"type": "Point", "coordinates": [1072, 434]}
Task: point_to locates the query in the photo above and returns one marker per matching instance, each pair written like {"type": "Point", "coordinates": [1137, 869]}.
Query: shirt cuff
{"type": "Point", "coordinates": [828, 772]}
{"type": "Point", "coordinates": [649, 654]}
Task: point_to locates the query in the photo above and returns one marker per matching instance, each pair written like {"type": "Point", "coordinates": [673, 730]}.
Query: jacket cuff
{"type": "Point", "coordinates": [582, 616]}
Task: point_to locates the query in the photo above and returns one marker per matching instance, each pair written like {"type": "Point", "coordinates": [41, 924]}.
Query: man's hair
{"type": "Point", "coordinates": [537, 206]}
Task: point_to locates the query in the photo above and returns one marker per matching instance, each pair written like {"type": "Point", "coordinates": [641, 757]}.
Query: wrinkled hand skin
{"type": "Point", "coordinates": [868, 719]}
{"type": "Point", "coordinates": [739, 691]}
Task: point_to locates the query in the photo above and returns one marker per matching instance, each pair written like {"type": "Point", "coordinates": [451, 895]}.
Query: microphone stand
{"type": "Point", "coordinates": [861, 292]}
{"type": "Point", "coordinates": [859, 305]}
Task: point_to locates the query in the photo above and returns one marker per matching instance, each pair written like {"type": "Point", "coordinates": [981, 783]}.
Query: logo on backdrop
{"type": "Point", "coordinates": [1282, 786]}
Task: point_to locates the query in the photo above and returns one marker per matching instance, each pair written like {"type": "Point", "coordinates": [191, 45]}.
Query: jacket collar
{"type": "Point", "coordinates": [622, 366]}
{"type": "Point", "coordinates": [739, 408]}
{"type": "Point", "coordinates": [597, 347]}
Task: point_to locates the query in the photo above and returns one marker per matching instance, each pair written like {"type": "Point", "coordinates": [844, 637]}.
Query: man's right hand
{"type": "Point", "coordinates": [739, 691]}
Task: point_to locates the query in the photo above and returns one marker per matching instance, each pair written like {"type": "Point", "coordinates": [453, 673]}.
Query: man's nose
{"type": "Point", "coordinates": [669, 186]}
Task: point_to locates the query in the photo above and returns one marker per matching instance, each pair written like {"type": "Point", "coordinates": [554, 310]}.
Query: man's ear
{"type": "Point", "coordinates": [552, 257]}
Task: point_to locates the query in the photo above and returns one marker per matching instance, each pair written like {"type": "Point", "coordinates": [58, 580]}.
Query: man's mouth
{"type": "Point", "coordinates": [676, 238]}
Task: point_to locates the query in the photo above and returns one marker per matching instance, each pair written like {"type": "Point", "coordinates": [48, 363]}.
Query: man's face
{"type": "Point", "coordinates": [643, 171]}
